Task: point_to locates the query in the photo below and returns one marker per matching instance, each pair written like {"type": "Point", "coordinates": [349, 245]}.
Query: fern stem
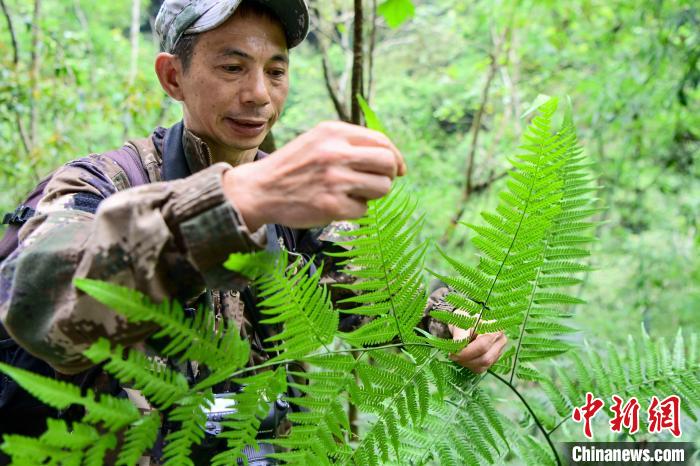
{"type": "Point", "coordinates": [522, 330]}
{"type": "Point", "coordinates": [399, 392]}
{"type": "Point", "coordinates": [559, 425]}
{"type": "Point", "coordinates": [484, 305]}
{"type": "Point", "coordinates": [386, 278]}
{"type": "Point", "coordinates": [532, 413]}
{"type": "Point", "coordinates": [271, 363]}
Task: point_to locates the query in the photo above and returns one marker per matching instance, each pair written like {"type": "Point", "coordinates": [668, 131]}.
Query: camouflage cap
{"type": "Point", "coordinates": [179, 17]}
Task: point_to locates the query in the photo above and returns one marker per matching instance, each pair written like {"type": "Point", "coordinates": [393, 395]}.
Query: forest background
{"type": "Point", "coordinates": [450, 81]}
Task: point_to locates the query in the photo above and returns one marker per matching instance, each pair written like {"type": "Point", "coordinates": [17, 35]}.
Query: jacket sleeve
{"type": "Point", "coordinates": [167, 240]}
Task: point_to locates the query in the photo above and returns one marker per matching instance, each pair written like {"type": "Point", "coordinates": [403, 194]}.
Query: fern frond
{"type": "Point", "coordinates": [647, 368]}
{"type": "Point", "coordinates": [297, 299]}
{"type": "Point", "coordinates": [95, 455]}
{"type": "Point", "coordinates": [511, 245]}
{"type": "Point", "coordinates": [466, 431]}
{"type": "Point", "coordinates": [252, 404]}
{"type": "Point", "coordinates": [539, 336]}
{"type": "Point", "coordinates": [114, 413]}
{"type": "Point", "coordinates": [388, 267]}
{"type": "Point", "coordinates": [396, 388]}
{"type": "Point", "coordinates": [191, 416]}
{"type": "Point", "coordinates": [160, 384]}
{"type": "Point", "coordinates": [141, 436]}
{"type": "Point", "coordinates": [196, 339]}
{"type": "Point", "coordinates": [27, 451]}
{"type": "Point", "coordinates": [320, 430]}
{"type": "Point", "coordinates": [75, 445]}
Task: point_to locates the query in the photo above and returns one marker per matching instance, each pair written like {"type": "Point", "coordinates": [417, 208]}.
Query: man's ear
{"type": "Point", "coordinates": [169, 71]}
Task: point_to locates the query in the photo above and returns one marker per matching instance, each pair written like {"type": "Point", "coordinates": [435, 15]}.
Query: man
{"type": "Point", "coordinates": [204, 194]}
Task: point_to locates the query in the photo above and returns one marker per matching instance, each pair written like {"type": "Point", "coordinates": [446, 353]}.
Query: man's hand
{"type": "Point", "coordinates": [481, 353]}
{"type": "Point", "coordinates": [328, 173]}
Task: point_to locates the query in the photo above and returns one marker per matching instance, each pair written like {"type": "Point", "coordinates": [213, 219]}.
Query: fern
{"type": "Point", "coordinates": [60, 444]}
{"type": "Point", "coordinates": [196, 339]}
{"type": "Point", "coordinates": [561, 253]}
{"type": "Point", "coordinates": [647, 368]}
{"type": "Point", "coordinates": [191, 416]}
{"type": "Point", "coordinates": [293, 297]}
{"type": "Point", "coordinates": [158, 383]}
{"type": "Point", "coordinates": [321, 430]}
{"type": "Point", "coordinates": [388, 269]}
{"type": "Point", "coordinates": [139, 438]}
{"type": "Point", "coordinates": [251, 406]}
{"type": "Point", "coordinates": [395, 388]}
{"type": "Point", "coordinates": [113, 413]}
{"type": "Point", "coordinates": [466, 430]}
{"type": "Point", "coordinates": [494, 295]}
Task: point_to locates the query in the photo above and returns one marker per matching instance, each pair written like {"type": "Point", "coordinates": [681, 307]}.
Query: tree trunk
{"type": "Point", "coordinates": [357, 66]}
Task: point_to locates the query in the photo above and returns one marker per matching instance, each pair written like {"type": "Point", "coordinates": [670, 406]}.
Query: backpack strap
{"type": "Point", "coordinates": [151, 160]}
{"type": "Point", "coordinates": [127, 169]}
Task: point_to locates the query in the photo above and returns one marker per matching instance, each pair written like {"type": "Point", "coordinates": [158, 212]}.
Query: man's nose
{"type": "Point", "coordinates": [255, 91]}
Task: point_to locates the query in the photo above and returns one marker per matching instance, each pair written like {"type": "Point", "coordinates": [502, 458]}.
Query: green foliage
{"type": "Point", "coordinates": [113, 413]}
{"type": "Point", "coordinates": [396, 12]}
{"type": "Point", "coordinates": [648, 368]}
{"type": "Point", "coordinates": [389, 270]}
{"type": "Point", "coordinates": [293, 296]}
{"type": "Point", "coordinates": [252, 405]}
{"type": "Point", "coordinates": [218, 346]}
{"type": "Point", "coordinates": [416, 405]}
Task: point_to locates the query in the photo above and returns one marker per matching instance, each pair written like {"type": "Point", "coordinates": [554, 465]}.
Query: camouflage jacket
{"type": "Point", "coordinates": [167, 239]}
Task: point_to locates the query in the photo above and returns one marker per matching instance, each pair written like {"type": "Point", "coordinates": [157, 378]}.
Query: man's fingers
{"type": "Point", "coordinates": [377, 160]}
{"type": "Point", "coordinates": [360, 136]}
{"type": "Point", "coordinates": [488, 359]}
{"type": "Point", "coordinates": [352, 208]}
{"type": "Point", "coordinates": [460, 333]}
{"type": "Point", "coordinates": [482, 353]}
{"type": "Point", "coordinates": [368, 187]}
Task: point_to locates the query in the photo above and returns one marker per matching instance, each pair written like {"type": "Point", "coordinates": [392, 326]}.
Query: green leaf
{"type": "Point", "coordinates": [371, 117]}
{"type": "Point", "coordinates": [396, 12]}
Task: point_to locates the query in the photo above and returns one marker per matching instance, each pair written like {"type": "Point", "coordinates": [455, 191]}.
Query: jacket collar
{"type": "Point", "coordinates": [185, 153]}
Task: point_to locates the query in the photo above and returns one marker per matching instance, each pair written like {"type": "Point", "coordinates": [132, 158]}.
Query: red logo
{"type": "Point", "coordinates": [586, 412]}
{"type": "Point", "coordinates": [665, 415]}
{"type": "Point", "coordinates": [662, 415]}
{"type": "Point", "coordinates": [625, 416]}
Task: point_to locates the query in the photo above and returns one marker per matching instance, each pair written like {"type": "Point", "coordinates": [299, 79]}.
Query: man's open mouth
{"type": "Point", "coordinates": [245, 127]}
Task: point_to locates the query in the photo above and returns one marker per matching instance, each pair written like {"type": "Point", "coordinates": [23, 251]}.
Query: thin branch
{"type": "Point", "coordinates": [35, 61]}
{"type": "Point", "coordinates": [13, 36]}
{"type": "Point", "coordinates": [476, 125]}
{"type": "Point", "coordinates": [372, 46]}
{"type": "Point", "coordinates": [329, 79]}
{"type": "Point", "coordinates": [331, 88]}
{"type": "Point", "coordinates": [476, 189]}
{"type": "Point", "coordinates": [15, 61]}
{"type": "Point", "coordinates": [357, 64]}
{"type": "Point", "coordinates": [532, 413]}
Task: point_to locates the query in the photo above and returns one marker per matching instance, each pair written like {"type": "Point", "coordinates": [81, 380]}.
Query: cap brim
{"type": "Point", "coordinates": [293, 14]}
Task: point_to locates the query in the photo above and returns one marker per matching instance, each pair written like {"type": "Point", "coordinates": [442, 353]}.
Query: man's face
{"type": "Point", "coordinates": [237, 82]}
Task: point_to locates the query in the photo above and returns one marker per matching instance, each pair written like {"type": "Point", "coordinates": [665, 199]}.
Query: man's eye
{"type": "Point", "coordinates": [277, 72]}
{"type": "Point", "coordinates": [232, 68]}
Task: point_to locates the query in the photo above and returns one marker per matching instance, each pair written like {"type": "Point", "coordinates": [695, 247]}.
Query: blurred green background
{"type": "Point", "coordinates": [76, 77]}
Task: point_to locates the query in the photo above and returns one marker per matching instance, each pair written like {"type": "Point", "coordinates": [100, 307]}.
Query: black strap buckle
{"type": "Point", "coordinates": [19, 216]}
